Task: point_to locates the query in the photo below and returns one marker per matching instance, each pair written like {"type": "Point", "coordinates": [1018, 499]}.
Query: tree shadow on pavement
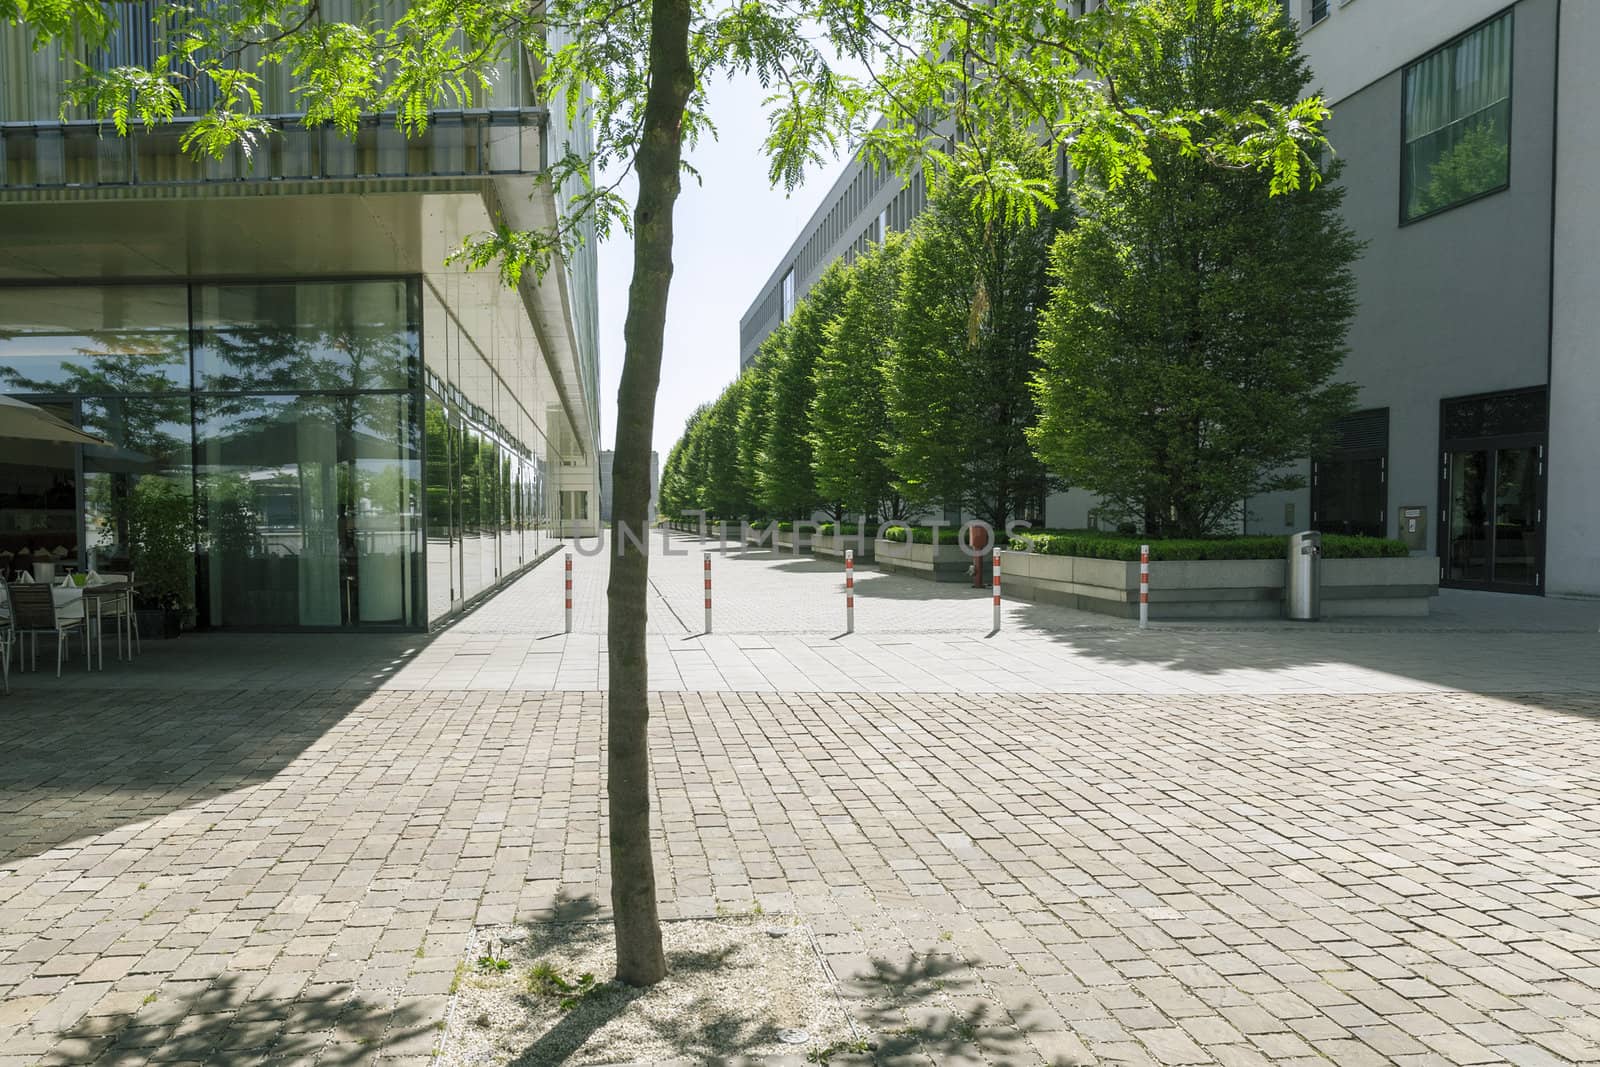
{"type": "Point", "coordinates": [933, 1008]}
{"type": "Point", "coordinates": [224, 1025]}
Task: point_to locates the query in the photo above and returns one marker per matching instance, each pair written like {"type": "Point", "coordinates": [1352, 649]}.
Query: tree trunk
{"type": "Point", "coordinates": [640, 961]}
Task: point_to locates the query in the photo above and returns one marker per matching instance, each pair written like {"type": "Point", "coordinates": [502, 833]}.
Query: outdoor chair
{"type": "Point", "coordinates": [33, 611]}
{"type": "Point", "coordinates": [120, 607]}
{"type": "Point", "coordinates": [6, 634]}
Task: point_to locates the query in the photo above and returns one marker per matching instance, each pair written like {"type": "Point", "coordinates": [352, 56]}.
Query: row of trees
{"type": "Point", "coordinates": [1169, 345]}
{"type": "Point", "coordinates": [901, 380]}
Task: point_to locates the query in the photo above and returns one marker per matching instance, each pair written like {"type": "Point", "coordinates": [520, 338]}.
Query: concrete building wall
{"type": "Point", "coordinates": [1453, 304]}
{"type": "Point", "coordinates": [1573, 530]}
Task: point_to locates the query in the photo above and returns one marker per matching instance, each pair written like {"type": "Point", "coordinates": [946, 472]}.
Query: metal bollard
{"type": "Point", "coordinates": [1144, 586]}
{"type": "Point", "coordinates": [707, 557]}
{"type": "Point", "coordinates": [997, 590]}
{"type": "Point", "coordinates": [849, 590]}
{"type": "Point", "coordinates": [569, 592]}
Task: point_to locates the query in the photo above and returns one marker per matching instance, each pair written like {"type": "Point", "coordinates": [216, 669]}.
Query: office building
{"type": "Point", "coordinates": [344, 432]}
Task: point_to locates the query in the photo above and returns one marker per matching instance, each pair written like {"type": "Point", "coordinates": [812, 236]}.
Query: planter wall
{"type": "Point", "coordinates": [1220, 589]}
{"type": "Point", "coordinates": [942, 563]}
{"type": "Point", "coordinates": [834, 545]}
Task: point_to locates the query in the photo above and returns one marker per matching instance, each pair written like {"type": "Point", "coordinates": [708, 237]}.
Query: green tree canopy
{"type": "Point", "coordinates": [849, 433]}
{"type": "Point", "coordinates": [1197, 323]}
{"type": "Point", "coordinates": [966, 322]}
{"type": "Point", "coordinates": [788, 486]}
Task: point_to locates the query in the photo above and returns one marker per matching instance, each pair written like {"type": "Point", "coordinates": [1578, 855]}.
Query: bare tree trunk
{"type": "Point", "coordinates": [640, 960]}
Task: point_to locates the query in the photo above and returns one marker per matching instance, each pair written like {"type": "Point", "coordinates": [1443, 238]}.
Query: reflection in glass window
{"type": "Point", "coordinates": [1457, 122]}
{"type": "Point", "coordinates": [94, 339]}
{"type": "Point", "coordinates": [307, 336]}
{"type": "Point", "coordinates": [137, 496]}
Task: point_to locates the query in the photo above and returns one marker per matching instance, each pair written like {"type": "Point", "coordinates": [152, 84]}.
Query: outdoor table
{"type": "Point", "coordinates": [73, 601]}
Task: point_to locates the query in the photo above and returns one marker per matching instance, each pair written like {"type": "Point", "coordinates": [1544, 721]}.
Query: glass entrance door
{"type": "Point", "coordinates": [1493, 516]}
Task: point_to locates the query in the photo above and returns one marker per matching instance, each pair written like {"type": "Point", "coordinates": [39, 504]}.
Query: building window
{"type": "Point", "coordinates": [1319, 11]}
{"type": "Point", "coordinates": [1456, 122]}
{"type": "Point", "coordinates": [788, 295]}
{"type": "Point", "coordinates": [1349, 484]}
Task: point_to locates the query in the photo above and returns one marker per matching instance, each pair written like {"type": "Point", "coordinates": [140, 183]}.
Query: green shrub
{"type": "Point", "coordinates": [922, 535]}
{"type": "Point", "coordinates": [848, 529]}
{"type": "Point", "coordinates": [1095, 544]}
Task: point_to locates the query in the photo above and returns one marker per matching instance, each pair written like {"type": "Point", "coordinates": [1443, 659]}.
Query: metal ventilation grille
{"type": "Point", "coordinates": [1363, 431]}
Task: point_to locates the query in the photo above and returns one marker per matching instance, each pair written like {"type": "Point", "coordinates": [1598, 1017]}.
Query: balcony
{"type": "Point", "coordinates": [88, 154]}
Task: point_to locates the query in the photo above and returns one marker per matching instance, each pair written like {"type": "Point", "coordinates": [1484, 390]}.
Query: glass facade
{"type": "Point", "coordinates": [1456, 140]}
{"type": "Point", "coordinates": [277, 455]}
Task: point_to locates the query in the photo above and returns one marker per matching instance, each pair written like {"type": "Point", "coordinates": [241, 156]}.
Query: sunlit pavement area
{"type": "Point", "coordinates": [1066, 842]}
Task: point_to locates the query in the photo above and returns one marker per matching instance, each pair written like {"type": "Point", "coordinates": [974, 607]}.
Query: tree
{"type": "Point", "coordinates": [1196, 326]}
{"type": "Point", "coordinates": [754, 417]}
{"type": "Point", "coordinates": [726, 494]}
{"type": "Point", "coordinates": [643, 70]}
{"type": "Point", "coordinates": [966, 323]}
{"type": "Point", "coordinates": [849, 422]}
{"type": "Point", "coordinates": [788, 484]}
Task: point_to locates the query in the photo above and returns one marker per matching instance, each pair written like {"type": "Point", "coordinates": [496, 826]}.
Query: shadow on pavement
{"type": "Point", "coordinates": [224, 1025]}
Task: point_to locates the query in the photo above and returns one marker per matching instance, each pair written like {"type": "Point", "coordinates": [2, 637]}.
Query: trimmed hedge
{"type": "Point", "coordinates": [848, 529]}
{"type": "Point", "coordinates": [922, 535]}
{"type": "Point", "coordinates": [1094, 544]}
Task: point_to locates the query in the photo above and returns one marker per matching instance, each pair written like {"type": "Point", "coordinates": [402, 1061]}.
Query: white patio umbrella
{"type": "Point", "coordinates": [23, 420]}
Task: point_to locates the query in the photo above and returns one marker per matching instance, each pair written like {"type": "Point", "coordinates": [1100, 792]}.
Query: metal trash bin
{"type": "Point", "coordinates": [1302, 579]}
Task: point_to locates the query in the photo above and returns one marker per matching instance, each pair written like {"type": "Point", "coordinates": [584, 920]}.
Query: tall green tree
{"type": "Point", "coordinates": [727, 496]}
{"type": "Point", "coordinates": [645, 69]}
{"type": "Point", "coordinates": [1190, 349]}
{"type": "Point", "coordinates": [788, 484]}
{"type": "Point", "coordinates": [966, 325]}
{"type": "Point", "coordinates": [754, 417]}
{"type": "Point", "coordinates": [849, 434]}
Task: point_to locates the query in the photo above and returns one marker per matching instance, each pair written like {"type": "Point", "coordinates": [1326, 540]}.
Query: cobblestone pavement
{"type": "Point", "coordinates": [290, 875]}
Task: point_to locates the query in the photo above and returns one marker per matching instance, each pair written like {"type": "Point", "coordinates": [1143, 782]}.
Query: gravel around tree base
{"type": "Point", "coordinates": [734, 985]}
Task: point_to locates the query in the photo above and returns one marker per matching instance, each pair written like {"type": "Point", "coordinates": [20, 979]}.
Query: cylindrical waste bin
{"type": "Point", "coordinates": [1302, 579]}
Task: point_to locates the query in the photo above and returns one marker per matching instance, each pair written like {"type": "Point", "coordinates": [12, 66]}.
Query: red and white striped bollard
{"type": "Point", "coordinates": [569, 592]}
{"type": "Point", "coordinates": [1144, 586]}
{"type": "Point", "coordinates": [707, 557]}
{"type": "Point", "coordinates": [996, 590]}
{"type": "Point", "coordinates": [849, 590]}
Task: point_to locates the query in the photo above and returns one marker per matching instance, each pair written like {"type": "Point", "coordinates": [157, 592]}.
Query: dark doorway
{"type": "Point", "coordinates": [1350, 483]}
{"type": "Point", "coordinates": [1492, 491]}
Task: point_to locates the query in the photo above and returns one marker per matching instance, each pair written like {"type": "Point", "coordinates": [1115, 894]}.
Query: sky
{"type": "Point", "coordinates": [729, 232]}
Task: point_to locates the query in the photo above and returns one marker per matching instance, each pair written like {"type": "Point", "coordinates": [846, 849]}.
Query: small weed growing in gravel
{"type": "Point", "coordinates": [825, 1054]}
{"type": "Point", "coordinates": [545, 981]}
{"type": "Point", "coordinates": [483, 1022]}
{"type": "Point", "coordinates": [455, 979]}
{"type": "Point", "coordinates": [493, 964]}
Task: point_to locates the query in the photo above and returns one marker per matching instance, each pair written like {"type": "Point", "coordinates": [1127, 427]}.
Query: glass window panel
{"type": "Point", "coordinates": [1516, 509]}
{"type": "Point", "coordinates": [306, 336]}
{"type": "Point", "coordinates": [1468, 558]}
{"type": "Point", "coordinates": [441, 501]}
{"type": "Point", "coordinates": [1457, 116]}
{"type": "Point", "coordinates": [38, 501]}
{"type": "Point", "coordinates": [309, 510]}
{"type": "Point", "coordinates": [94, 339]}
{"type": "Point", "coordinates": [138, 493]}
{"type": "Point", "coordinates": [381, 513]}
{"type": "Point", "coordinates": [268, 480]}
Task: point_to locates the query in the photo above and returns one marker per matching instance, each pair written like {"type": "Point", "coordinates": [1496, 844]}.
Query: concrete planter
{"type": "Point", "coordinates": [1220, 589]}
{"type": "Point", "coordinates": [784, 541]}
{"type": "Point", "coordinates": [942, 563]}
{"type": "Point", "coordinates": [833, 546]}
